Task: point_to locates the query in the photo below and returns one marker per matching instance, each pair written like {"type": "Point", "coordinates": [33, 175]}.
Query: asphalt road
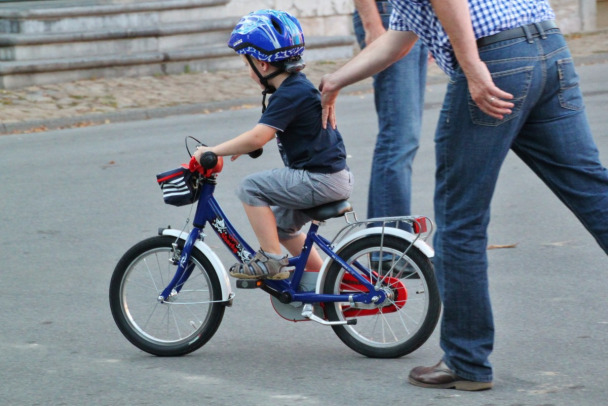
{"type": "Point", "coordinates": [72, 201]}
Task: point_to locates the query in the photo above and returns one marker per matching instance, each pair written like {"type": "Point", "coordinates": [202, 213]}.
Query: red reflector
{"type": "Point", "coordinates": [420, 225]}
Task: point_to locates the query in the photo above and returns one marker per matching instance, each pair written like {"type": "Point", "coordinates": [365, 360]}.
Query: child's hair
{"type": "Point", "coordinates": [272, 36]}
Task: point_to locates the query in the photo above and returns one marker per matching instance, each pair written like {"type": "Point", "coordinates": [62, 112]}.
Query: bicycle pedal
{"type": "Point", "coordinates": [248, 283]}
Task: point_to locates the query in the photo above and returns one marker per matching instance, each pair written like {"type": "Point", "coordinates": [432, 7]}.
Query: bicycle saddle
{"type": "Point", "coordinates": [328, 210]}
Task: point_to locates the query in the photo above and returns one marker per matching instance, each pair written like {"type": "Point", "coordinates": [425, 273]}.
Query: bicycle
{"type": "Point", "coordinates": [376, 289]}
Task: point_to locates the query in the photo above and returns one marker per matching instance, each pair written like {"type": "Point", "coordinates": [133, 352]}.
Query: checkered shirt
{"type": "Point", "coordinates": [488, 16]}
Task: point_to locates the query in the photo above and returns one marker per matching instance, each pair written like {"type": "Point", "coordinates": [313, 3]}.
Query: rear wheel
{"type": "Point", "coordinates": [404, 321]}
{"type": "Point", "coordinates": [182, 323]}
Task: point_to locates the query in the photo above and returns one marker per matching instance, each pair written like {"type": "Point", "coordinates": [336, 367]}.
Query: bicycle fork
{"type": "Point", "coordinates": [183, 271]}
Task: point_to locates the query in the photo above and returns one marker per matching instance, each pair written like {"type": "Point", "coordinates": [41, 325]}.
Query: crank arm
{"type": "Point", "coordinates": [309, 314]}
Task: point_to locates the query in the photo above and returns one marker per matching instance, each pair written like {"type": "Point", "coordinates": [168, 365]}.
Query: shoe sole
{"type": "Point", "coordinates": [279, 276]}
{"type": "Point", "coordinates": [457, 385]}
{"type": "Point", "coordinates": [276, 277]}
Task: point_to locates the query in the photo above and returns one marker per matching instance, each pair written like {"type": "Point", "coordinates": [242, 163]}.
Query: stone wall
{"type": "Point", "coordinates": [333, 17]}
{"type": "Point", "coordinates": [567, 13]}
{"type": "Point", "coordinates": [318, 17]}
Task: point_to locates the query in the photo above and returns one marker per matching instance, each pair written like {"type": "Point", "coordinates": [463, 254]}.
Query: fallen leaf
{"type": "Point", "coordinates": [498, 246]}
{"type": "Point", "coordinates": [558, 243]}
{"type": "Point", "coordinates": [108, 165]}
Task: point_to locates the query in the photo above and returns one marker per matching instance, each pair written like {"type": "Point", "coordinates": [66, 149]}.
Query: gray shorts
{"type": "Point", "coordinates": [286, 191]}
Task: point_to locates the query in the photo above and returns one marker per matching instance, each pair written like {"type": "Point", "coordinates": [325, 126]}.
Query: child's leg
{"type": "Point", "coordinates": [268, 262]}
{"type": "Point", "coordinates": [264, 226]}
{"type": "Point", "coordinates": [294, 246]}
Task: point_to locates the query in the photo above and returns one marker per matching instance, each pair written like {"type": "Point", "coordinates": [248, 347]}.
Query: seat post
{"type": "Point", "coordinates": [314, 228]}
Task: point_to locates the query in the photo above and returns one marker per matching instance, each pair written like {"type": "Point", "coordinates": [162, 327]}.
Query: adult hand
{"type": "Point", "coordinates": [489, 98]}
{"type": "Point", "coordinates": [329, 94]}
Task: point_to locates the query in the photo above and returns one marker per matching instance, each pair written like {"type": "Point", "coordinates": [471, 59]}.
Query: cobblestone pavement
{"type": "Point", "coordinates": [98, 101]}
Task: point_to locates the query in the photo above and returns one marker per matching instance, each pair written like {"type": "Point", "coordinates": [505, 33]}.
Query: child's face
{"type": "Point", "coordinates": [252, 74]}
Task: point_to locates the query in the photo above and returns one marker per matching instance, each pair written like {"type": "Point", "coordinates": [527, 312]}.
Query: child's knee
{"type": "Point", "coordinates": [246, 192]}
{"type": "Point", "coordinates": [288, 233]}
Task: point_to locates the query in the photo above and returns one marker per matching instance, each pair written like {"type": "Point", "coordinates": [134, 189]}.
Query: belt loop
{"type": "Point", "coordinates": [528, 34]}
{"type": "Point", "coordinates": [540, 30]}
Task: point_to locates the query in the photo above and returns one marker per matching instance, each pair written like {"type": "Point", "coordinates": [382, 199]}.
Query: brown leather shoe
{"type": "Point", "coordinates": [441, 377]}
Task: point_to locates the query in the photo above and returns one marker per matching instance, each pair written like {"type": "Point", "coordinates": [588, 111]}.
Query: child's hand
{"type": "Point", "coordinates": [199, 152]}
{"type": "Point", "coordinates": [235, 157]}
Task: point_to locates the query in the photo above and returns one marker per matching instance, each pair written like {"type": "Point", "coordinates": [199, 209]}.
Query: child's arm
{"type": "Point", "coordinates": [248, 141]}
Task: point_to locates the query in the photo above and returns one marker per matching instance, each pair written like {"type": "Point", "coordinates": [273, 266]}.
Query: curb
{"type": "Point", "coordinates": [198, 108]}
{"type": "Point", "coordinates": [121, 116]}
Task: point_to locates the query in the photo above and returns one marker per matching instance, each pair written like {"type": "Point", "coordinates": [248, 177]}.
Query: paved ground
{"type": "Point", "coordinates": [98, 101]}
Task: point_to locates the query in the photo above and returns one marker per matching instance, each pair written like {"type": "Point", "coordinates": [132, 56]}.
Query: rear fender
{"type": "Point", "coordinates": [397, 232]}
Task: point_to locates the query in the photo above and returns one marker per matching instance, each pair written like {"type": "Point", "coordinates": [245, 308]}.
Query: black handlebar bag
{"type": "Point", "coordinates": [179, 186]}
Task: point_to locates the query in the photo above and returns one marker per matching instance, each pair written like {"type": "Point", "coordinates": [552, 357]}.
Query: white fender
{"type": "Point", "coordinates": [397, 232]}
{"type": "Point", "coordinates": [217, 265]}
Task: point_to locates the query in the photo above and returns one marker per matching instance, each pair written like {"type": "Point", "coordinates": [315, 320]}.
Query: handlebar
{"type": "Point", "coordinates": [210, 163]}
{"type": "Point", "coordinates": [209, 159]}
{"type": "Point", "coordinates": [255, 154]}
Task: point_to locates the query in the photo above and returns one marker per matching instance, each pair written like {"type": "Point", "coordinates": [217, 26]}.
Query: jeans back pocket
{"type": "Point", "coordinates": [515, 81]}
{"type": "Point", "coordinates": [570, 96]}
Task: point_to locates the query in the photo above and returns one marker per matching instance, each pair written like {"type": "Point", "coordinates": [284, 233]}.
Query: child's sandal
{"type": "Point", "coordinates": [261, 267]}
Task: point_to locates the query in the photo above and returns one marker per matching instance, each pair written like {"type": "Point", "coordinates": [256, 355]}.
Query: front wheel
{"type": "Point", "coordinates": [182, 323]}
{"type": "Point", "coordinates": [406, 319]}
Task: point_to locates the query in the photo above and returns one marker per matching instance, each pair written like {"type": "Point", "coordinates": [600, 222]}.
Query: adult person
{"type": "Point", "coordinates": [512, 86]}
{"type": "Point", "coordinates": [399, 100]}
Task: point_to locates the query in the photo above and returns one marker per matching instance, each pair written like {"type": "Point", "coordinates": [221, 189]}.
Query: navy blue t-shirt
{"type": "Point", "coordinates": [294, 110]}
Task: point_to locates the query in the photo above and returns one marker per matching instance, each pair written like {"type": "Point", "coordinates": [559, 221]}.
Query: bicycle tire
{"type": "Point", "coordinates": [403, 323]}
{"type": "Point", "coordinates": [174, 327]}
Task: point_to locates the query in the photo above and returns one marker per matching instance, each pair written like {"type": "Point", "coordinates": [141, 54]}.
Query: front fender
{"type": "Point", "coordinates": [397, 232]}
{"type": "Point", "coordinates": [218, 267]}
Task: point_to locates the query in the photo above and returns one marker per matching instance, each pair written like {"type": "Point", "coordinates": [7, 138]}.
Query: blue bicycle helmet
{"type": "Point", "coordinates": [268, 35]}
{"type": "Point", "coordinates": [271, 36]}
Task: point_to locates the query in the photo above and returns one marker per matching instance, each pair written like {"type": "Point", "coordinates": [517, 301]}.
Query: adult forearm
{"type": "Point", "coordinates": [387, 49]}
{"type": "Point", "coordinates": [370, 18]}
{"type": "Point", "coordinates": [455, 18]}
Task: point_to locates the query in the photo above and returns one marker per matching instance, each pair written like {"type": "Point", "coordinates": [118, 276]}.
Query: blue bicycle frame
{"type": "Point", "coordinates": [209, 211]}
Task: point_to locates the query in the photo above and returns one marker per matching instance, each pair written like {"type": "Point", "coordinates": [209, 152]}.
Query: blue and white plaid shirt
{"type": "Point", "coordinates": [488, 16]}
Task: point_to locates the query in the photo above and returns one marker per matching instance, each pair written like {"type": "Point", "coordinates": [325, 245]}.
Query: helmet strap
{"type": "Point", "coordinates": [268, 88]}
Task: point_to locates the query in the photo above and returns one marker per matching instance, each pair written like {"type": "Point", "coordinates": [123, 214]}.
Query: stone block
{"type": "Point", "coordinates": [318, 17]}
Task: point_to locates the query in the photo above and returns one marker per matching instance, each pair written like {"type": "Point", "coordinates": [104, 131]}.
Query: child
{"type": "Point", "coordinates": [271, 42]}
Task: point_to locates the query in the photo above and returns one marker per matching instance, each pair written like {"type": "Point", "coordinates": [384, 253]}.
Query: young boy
{"type": "Point", "coordinates": [271, 42]}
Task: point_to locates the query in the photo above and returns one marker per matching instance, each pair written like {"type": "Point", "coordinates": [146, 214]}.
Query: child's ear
{"type": "Point", "coordinates": [264, 66]}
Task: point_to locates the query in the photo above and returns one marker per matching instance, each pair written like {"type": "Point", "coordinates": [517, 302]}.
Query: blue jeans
{"type": "Point", "coordinates": [399, 98]}
{"type": "Point", "coordinates": [548, 130]}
